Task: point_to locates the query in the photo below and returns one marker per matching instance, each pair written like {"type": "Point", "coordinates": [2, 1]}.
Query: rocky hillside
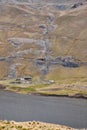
{"type": "Point", "coordinates": [46, 40]}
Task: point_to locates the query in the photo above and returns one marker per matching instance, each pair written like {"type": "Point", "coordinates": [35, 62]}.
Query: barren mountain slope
{"type": "Point", "coordinates": [43, 41]}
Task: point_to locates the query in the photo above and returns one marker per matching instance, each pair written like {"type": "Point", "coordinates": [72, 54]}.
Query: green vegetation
{"type": "Point", "coordinates": [61, 88]}
{"type": "Point", "coordinates": [66, 92]}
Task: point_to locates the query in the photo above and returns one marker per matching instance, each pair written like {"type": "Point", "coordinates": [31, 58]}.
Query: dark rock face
{"type": "Point", "coordinates": [45, 65]}
{"type": "Point", "coordinates": [70, 64]}
{"type": "Point", "coordinates": [40, 61]}
{"type": "Point", "coordinates": [68, 61]}
{"type": "Point", "coordinates": [42, 26]}
{"type": "Point", "coordinates": [77, 5]}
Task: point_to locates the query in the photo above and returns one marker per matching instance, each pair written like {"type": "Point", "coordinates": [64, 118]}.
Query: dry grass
{"type": "Point", "coordinates": [69, 38]}
{"type": "Point", "coordinates": [11, 125]}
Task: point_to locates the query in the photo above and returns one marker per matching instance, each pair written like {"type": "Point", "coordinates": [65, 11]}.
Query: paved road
{"type": "Point", "coordinates": [19, 107]}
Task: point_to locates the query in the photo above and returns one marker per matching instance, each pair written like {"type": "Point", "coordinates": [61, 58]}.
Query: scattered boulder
{"type": "Point", "coordinates": [42, 26]}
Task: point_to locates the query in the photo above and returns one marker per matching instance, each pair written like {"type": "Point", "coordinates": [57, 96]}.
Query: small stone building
{"type": "Point", "coordinates": [26, 79]}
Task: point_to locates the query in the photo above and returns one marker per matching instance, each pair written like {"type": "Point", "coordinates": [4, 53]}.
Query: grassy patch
{"type": "Point", "coordinates": [63, 87]}
{"type": "Point", "coordinates": [29, 89]}
{"type": "Point", "coordinates": [66, 92]}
